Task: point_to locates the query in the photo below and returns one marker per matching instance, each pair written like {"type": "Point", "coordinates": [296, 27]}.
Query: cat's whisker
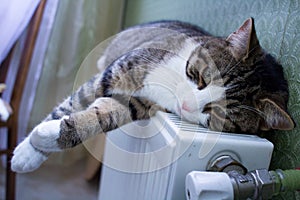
{"type": "Point", "coordinates": [232, 67]}
{"type": "Point", "coordinates": [231, 60]}
{"type": "Point", "coordinates": [261, 114]}
{"type": "Point", "coordinates": [230, 87]}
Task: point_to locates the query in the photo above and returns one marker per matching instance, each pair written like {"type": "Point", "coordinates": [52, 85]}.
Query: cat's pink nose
{"type": "Point", "coordinates": [186, 107]}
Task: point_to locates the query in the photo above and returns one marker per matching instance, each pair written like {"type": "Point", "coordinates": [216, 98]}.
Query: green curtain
{"type": "Point", "coordinates": [79, 26]}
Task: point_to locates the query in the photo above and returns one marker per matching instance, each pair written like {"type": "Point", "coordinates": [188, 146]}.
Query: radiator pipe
{"type": "Point", "coordinates": [264, 184]}
{"type": "Point", "coordinates": [289, 179]}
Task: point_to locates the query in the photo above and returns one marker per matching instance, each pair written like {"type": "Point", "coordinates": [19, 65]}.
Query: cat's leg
{"type": "Point", "coordinates": [26, 156]}
{"type": "Point", "coordinates": [54, 135]}
{"type": "Point", "coordinates": [79, 100]}
{"type": "Point", "coordinates": [103, 115]}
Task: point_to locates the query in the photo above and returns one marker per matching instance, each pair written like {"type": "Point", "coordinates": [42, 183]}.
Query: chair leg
{"type": "Point", "coordinates": [10, 175]}
{"type": "Point", "coordinates": [10, 180]}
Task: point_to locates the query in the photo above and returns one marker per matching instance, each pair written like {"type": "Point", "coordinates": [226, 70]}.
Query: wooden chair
{"type": "Point", "coordinates": [17, 91]}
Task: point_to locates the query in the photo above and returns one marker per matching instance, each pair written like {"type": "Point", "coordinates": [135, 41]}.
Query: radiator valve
{"type": "Point", "coordinates": [257, 185]}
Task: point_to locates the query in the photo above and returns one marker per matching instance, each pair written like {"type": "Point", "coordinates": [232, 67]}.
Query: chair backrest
{"type": "Point", "coordinates": [14, 70]}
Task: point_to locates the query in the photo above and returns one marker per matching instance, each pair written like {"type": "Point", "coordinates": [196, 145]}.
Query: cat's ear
{"type": "Point", "coordinates": [243, 40]}
{"type": "Point", "coordinates": [274, 116]}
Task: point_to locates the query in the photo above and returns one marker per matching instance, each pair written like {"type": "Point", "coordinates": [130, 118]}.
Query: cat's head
{"type": "Point", "coordinates": [256, 92]}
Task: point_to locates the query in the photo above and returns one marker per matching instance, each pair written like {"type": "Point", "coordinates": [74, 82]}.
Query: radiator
{"type": "Point", "coordinates": [149, 160]}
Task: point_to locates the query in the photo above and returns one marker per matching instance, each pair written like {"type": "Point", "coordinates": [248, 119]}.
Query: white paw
{"type": "Point", "coordinates": [44, 136]}
{"type": "Point", "coordinates": [196, 117]}
{"type": "Point", "coordinates": [26, 158]}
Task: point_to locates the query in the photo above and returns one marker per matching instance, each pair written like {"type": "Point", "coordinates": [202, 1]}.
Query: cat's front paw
{"type": "Point", "coordinates": [45, 135]}
{"type": "Point", "coordinates": [196, 117]}
{"type": "Point", "coordinates": [26, 158]}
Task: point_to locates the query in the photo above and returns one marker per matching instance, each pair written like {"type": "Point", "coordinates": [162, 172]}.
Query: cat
{"type": "Point", "coordinates": [226, 84]}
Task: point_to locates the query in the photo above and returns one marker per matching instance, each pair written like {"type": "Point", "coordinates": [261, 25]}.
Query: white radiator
{"type": "Point", "coordinates": [149, 160]}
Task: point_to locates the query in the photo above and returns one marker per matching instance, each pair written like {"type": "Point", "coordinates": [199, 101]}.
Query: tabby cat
{"type": "Point", "coordinates": [226, 84]}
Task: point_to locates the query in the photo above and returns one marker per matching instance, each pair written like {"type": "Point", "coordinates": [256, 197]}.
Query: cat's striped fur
{"type": "Point", "coordinates": [226, 84]}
